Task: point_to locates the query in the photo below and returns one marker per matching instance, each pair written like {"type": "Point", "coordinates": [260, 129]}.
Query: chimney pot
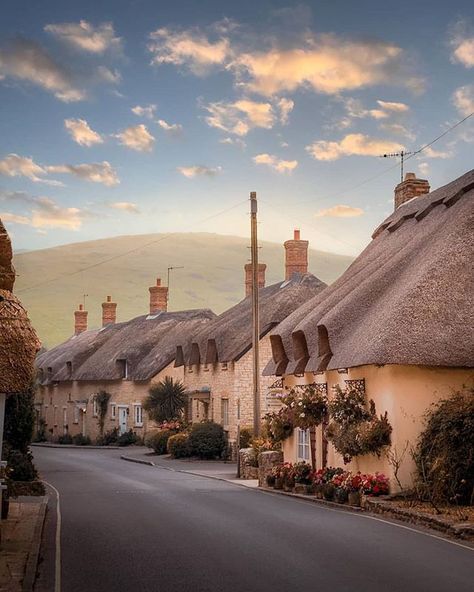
{"type": "Point", "coordinates": [296, 255]}
{"type": "Point", "coordinates": [248, 277]}
{"type": "Point", "coordinates": [158, 297]}
{"type": "Point", "coordinates": [80, 320]}
{"type": "Point", "coordinates": [296, 234]}
{"type": "Point", "coordinates": [109, 312]}
{"type": "Point", "coordinates": [409, 188]}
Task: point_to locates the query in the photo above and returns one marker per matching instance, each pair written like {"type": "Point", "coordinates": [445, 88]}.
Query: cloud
{"type": "Point", "coordinates": [28, 61]}
{"type": "Point", "coordinates": [98, 172]}
{"type": "Point", "coordinates": [173, 129]}
{"type": "Point", "coordinates": [81, 133]}
{"type": "Point", "coordinates": [397, 129]}
{"type": "Point", "coordinates": [136, 137]}
{"type": "Point", "coordinates": [241, 116]}
{"type": "Point", "coordinates": [190, 48]}
{"type": "Point", "coordinates": [463, 99]}
{"type": "Point", "coordinates": [285, 107]}
{"type": "Point", "coordinates": [14, 218]}
{"type": "Point", "coordinates": [233, 141]}
{"type": "Point", "coordinates": [126, 206]}
{"type": "Point", "coordinates": [462, 44]}
{"type": "Point", "coordinates": [394, 107]}
{"type": "Point", "coordinates": [432, 153]}
{"type": "Point", "coordinates": [281, 166]}
{"type": "Point", "coordinates": [340, 211]}
{"type": "Point", "coordinates": [148, 111]}
{"type": "Point", "coordinates": [86, 37]}
{"type": "Point", "coordinates": [352, 145]}
{"type": "Point", "coordinates": [199, 171]}
{"type": "Point", "coordinates": [424, 168]}
{"type": "Point", "coordinates": [20, 166]}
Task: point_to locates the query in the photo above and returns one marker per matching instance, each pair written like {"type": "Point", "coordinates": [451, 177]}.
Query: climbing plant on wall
{"type": "Point", "coordinates": [102, 399]}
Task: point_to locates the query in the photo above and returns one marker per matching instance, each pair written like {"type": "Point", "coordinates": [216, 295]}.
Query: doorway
{"type": "Point", "coordinates": [122, 419]}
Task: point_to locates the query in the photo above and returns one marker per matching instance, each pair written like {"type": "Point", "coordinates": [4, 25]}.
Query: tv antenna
{"type": "Point", "coordinates": [171, 268]}
{"type": "Point", "coordinates": [84, 296]}
{"type": "Point", "coordinates": [402, 154]}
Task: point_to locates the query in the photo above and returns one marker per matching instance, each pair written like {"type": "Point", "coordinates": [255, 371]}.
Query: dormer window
{"type": "Point", "coordinates": [69, 368]}
{"type": "Point", "coordinates": [224, 366]}
{"type": "Point", "coordinates": [50, 371]}
{"type": "Point", "coordinates": [123, 367]}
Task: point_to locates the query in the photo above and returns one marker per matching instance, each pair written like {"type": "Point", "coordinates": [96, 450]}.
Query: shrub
{"type": "Point", "coordinates": [302, 472]}
{"type": "Point", "coordinates": [178, 446]}
{"type": "Point", "coordinates": [166, 400]}
{"type": "Point", "coordinates": [128, 438]}
{"type": "Point", "coordinates": [108, 438]}
{"type": "Point", "coordinates": [20, 466]}
{"type": "Point", "coordinates": [102, 399]}
{"type": "Point", "coordinates": [40, 435]}
{"type": "Point", "coordinates": [246, 435]}
{"type": "Point", "coordinates": [19, 419]}
{"type": "Point", "coordinates": [444, 455]}
{"type": "Point", "coordinates": [158, 440]}
{"type": "Point", "coordinates": [261, 445]}
{"type": "Point", "coordinates": [80, 440]}
{"type": "Point", "coordinates": [207, 440]}
{"type": "Point", "coordinates": [65, 439]}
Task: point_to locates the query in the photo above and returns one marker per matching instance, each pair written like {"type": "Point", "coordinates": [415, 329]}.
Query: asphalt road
{"type": "Point", "coordinates": [128, 527]}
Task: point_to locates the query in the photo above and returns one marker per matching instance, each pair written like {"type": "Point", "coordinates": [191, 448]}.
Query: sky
{"type": "Point", "coordinates": [143, 116]}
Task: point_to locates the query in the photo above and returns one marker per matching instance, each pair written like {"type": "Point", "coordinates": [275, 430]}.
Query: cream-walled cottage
{"type": "Point", "coordinates": [217, 360]}
{"type": "Point", "coordinates": [398, 324]}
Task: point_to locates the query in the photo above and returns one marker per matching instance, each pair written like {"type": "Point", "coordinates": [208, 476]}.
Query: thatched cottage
{"type": "Point", "coordinates": [217, 361]}
{"type": "Point", "coordinates": [123, 359]}
{"type": "Point", "coordinates": [398, 324]}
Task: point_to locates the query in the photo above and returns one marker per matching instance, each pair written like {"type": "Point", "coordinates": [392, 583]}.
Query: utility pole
{"type": "Point", "coordinates": [168, 279]}
{"type": "Point", "coordinates": [255, 315]}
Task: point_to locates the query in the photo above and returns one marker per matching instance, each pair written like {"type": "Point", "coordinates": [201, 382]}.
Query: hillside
{"type": "Point", "coordinates": [212, 277]}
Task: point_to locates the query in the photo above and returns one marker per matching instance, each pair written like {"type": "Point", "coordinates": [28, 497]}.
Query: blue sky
{"type": "Point", "coordinates": [131, 117]}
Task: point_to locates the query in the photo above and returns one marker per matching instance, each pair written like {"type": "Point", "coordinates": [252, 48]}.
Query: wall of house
{"type": "Point", "coordinates": [404, 392]}
{"type": "Point", "coordinates": [62, 405]}
{"type": "Point", "coordinates": [232, 381]}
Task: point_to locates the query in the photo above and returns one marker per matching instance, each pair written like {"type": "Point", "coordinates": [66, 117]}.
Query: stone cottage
{"type": "Point", "coordinates": [123, 359]}
{"type": "Point", "coordinates": [217, 361]}
{"type": "Point", "coordinates": [398, 324]}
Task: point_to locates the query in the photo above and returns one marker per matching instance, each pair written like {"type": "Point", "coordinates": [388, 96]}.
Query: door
{"type": "Point", "coordinates": [122, 420]}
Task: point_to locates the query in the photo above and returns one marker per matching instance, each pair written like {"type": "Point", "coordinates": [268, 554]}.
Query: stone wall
{"type": "Point", "coordinates": [266, 462]}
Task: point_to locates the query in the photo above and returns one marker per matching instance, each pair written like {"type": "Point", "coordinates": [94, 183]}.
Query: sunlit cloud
{"type": "Point", "coordinates": [424, 168]}
{"type": "Point", "coordinates": [173, 129]}
{"type": "Point", "coordinates": [432, 153]}
{"type": "Point", "coordinates": [126, 206]}
{"type": "Point", "coordinates": [285, 107]}
{"type": "Point", "coordinates": [277, 164]}
{"type": "Point", "coordinates": [147, 111]}
{"type": "Point", "coordinates": [340, 211]}
{"type": "Point", "coordinates": [463, 99]}
{"type": "Point", "coordinates": [14, 218]}
{"type": "Point", "coordinates": [398, 129]}
{"type": "Point", "coordinates": [462, 44]}
{"type": "Point", "coordinates": [98, 172]}
{"type": "Point", "coordinates": [351, 145]}
{"type": "Point", "coordinates": [86, 37]}
{"type": "Point", "coordinates": [82, 133]}
{"type": "Point", "coordinates": [199, 171]}
{"type": "Point", "coordinates": [136, 137]}
{"type": "Point", "coordinates": [241, 116]}
{"type": "Point", "coordinates": [21, 166]}
{"type": "Point", "coordinates": [233, 142]}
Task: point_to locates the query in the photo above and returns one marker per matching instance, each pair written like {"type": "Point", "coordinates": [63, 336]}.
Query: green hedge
{"type": "Point", "coordinates": [207, 440]}
{"type": "Point", "coordinates": [178, 446]}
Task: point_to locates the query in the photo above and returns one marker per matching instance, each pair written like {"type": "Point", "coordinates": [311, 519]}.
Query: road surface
{"type": "Point", "coordinates": [127, 527]}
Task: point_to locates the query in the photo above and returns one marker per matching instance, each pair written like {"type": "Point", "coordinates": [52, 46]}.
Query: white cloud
{"type": "Point", "coordinates": [285, 107]}
{"type": "Point", "coordinates": [148, 111]}
{"type": "Point", "coordinates": [279, 165]}
{"type": "Point", "coordinates": [14, 218]}
{"type": "Point", "coordinates": [190, 48]}
{"type": "Point", "coordinates": [233, 141]}
{"type": "Point", "coordinates": [462, 44]}
{"type": "Point", "coordinates": [463, 99]}
{"type": "Point", "coordinates": [98, 172]}
{"type": "Point", "coordinates": [136, 137]}
{"type": "Point", "coordinates": [28, 61]}
{"type": "Point", "coordinates": [392, 106]}
{"type": "Point", "coordinates": [340, 211]}
{"type": "Point", "coordinates": [432, 153]}
{"type": "Point", "coordinates": [397, 129]}
{"type": "Point", "coordinates": [174, 129]}
{"type": "Point", "coordinates": [199, 171]}
{"type": "Point", "coordinates": [126, 206]}
{"type": "Point", "coordinates": [464, 52]}
{"type": "Point", "coordinates": [84, 36]}
{"type": "Point", "coordinates": [352, 145]}
{"type": "Point", "coordinates": [424, 168]}
{"type": "Point", "coordinates": [81, 132]}
{"type": "Point", "coordinates": [241, 116]}
{"type": "Point", "coordinates": [21, 166]}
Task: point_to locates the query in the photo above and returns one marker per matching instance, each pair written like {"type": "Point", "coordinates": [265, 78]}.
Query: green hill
{"type": "Point", "coordinates": [212, 277]}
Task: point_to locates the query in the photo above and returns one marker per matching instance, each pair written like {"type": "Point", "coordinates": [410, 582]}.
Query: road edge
{"type": "Point", "coordinates": [33, 555]}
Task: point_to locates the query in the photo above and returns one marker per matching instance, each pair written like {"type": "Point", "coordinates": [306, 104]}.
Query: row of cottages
{"type": "Point", "coordinates": [398, 324]}
{"type": "Point", "coordinates": [217, 361]}
{"type": "Point", "coordinates": [209, 354]}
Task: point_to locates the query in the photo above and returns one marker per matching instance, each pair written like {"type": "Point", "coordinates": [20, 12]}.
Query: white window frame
{"type": "Point", "coordinates": [76, 414]}
{"type": "Point", "coordinates": [64, 416]}
{"type": "Point", "coordinates": [138, 414]}
{"type": "Point", "coordinates": [113, 411]}
{"type": "Point", "coordinates": [225, 411]}
{"type": "Point", "coordinates": [303, 445]}
{"type": "Point", "coordinates": [95, 407]}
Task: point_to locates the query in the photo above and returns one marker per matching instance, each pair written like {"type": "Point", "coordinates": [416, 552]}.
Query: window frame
{"type": "Point", "coordinates": [303, 445]}
{"type": "Point", "coordinates": [225, 411]}
{"type": "Point", "coordinates": [138, 414]}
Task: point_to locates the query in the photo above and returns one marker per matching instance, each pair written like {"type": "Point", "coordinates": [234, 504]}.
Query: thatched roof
{"type": "Point", "coordinates": [229, 336]}
{"type": "Point", "coordinates": [147, 344]}
{"type": "Point", "coordinates": [407, 299]}
{"type": "Point", "coordinates": [7, 271]}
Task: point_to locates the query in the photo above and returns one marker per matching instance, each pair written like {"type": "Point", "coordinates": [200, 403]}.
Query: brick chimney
{"type": "Point", "coordinates": [80, 320]}
{"type": "Point", "coordinates": [248, 277]}
{"type": "Point", "coordinates": [410, 187]}
{"type": "Point", "coordinates": [158, 298]}
{"type": "Point", "coordinates": [296, 255]}
{"type": "Point", "coordinates": [109, 312]}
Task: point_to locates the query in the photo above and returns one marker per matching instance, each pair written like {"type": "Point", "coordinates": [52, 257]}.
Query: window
{"type": "Point", "coordinates": [303, 444]}
{"type": "Point", "coordinates": [123, 366]}
{"type": "Point", "coordinates": [76, 414]}
{"type": "Point", "coordinates": [95, 407]}
{"type": "Point", "coordinates": [113, 412]}
{"type": "Point", "coordinates": [69, 369]}
{"type": "Point", "coordinates": [138, 415]}
{"type": "Point", "coordinates": [55, 412]}
{"type": "Point", "coordinates": [238, 408]}
{"type": "Point", "coordinates": [225, 411]}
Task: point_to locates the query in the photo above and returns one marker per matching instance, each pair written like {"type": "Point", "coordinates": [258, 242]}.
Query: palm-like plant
{"type": "Point", "coordinates": [166, 400]}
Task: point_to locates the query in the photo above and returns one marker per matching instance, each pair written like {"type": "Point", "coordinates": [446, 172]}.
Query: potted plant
{"type": "Point", "coordinates": [340, 490]}
{"type": "Point", "coordinates": [278, 474]}
{"type": "Point", "coordinates": [302, 476]}
{"type": "Point", "coordinates": [271, 480]}
{"type": "Point", "coordinates": [318, 483]}
{"type": "Point", "coordinates": [353, 485]}
{"type": "Point", "coordinates": [375, 485]}
{"type": "Point", "coordinates": [288, 477]}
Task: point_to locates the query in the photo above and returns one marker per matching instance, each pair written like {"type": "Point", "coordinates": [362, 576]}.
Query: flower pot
{"type": "Point", "coordinates": [354, 498]}
{"type": "Point", "coordinates": [278, 483]}
{"type": "Point", "coordinates": [340, 495]}
{"type": "Point", "coordinates": [318, 490]}
{"type": "Point", "coordinates": [328, 491]}
{"type": "Point", "coordinates": [301, 488]}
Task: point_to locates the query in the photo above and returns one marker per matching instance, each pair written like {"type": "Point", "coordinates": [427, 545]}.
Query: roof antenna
{"type": "Point", "coordinates": [84, 296]}
{"type": "Point", "coordinates": [402, 155]}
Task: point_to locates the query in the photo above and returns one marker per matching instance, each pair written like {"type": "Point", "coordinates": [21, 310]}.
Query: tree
{"type": "Point", "coordinates": [102, 399]}
{"type": "Point", "coordinates": [166, 400]}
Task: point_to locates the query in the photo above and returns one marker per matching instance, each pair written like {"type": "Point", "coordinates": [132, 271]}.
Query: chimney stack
{"type": "Point", "coordinates": [109, 312]}
{"type": "Point", "coordinates": [409, 188]}
{"type": "Point", "coordinates": [248, 277]}
{"type": "Point", "coordinates": [158, 298]}
{"type": "Point", "coordinates": [296, 256]}
{"type": "Point", "coordinates": [80, 320]}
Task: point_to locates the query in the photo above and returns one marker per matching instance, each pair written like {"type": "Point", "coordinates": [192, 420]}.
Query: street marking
{"type": "Point", "coordinates": [57, 570]}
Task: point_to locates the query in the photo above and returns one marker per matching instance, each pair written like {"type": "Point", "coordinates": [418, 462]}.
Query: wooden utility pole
{"type": "Point", "coordinates": [255, 314]}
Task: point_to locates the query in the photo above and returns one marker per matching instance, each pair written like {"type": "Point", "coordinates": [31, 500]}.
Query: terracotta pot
{"type": "Point", "coordinates": [354, 498]}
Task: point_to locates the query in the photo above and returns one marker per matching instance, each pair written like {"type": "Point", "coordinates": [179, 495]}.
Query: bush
{"type": "Point", "coordinates": [20, 466]}
{"type": "Point", "coordinates": [207, 440]}
{"type": "Point", "coordinates": [65, 439]}
{"type": "Point", "coordinates": [128, 438]}
{"type": "Point", "coordinates": [158, 440]}
{"type": "Point", "coordinates": [246, 435]}
{"type": "Point", "coordinates": [166, 400]}
{"type": "Point", "coordinates": [40, 435]}
{"type": "Point", "coordinates": [108, 438]}
{"type": "Point", "coordinates": [444, 455]}
{"type": "Point", "coordinates": [178, 446]}
{"type": "Point", "coordinates": [80, 440]}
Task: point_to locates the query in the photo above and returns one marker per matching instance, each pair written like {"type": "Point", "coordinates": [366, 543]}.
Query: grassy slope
{"type": "Point", "coordinates": [212, 276]}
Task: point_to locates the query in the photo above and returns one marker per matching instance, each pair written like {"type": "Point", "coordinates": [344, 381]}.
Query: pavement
{"type": "Point", "coordinates": [127, 526]}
